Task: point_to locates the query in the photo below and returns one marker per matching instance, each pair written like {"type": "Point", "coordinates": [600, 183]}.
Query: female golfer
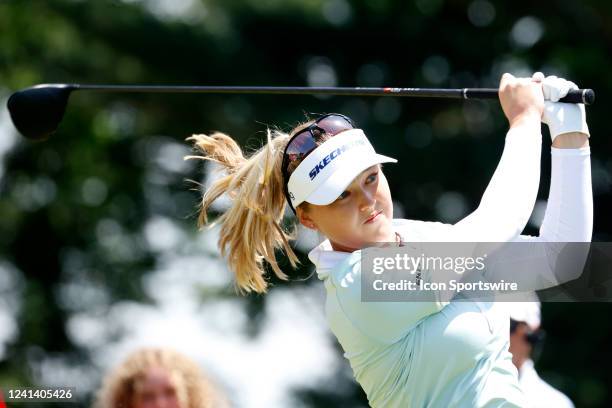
{"type": "Point", "coordinates": [410, 354]}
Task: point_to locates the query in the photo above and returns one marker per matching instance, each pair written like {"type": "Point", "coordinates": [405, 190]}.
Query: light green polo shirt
{"type": "Point", "coordinates": [418, 354]}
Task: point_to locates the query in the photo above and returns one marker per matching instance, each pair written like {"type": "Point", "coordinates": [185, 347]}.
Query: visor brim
{"type": "Point", "coordinates": [339, 180]}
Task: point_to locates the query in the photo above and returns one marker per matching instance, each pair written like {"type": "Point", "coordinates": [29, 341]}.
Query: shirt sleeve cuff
{"type": "Point", "coordinates": [583, 151]}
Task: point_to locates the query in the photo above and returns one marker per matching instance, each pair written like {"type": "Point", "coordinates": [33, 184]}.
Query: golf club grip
{"type": "Point", "coordinates": [586, 96]}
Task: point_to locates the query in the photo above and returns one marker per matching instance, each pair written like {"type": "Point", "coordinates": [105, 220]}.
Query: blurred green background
{"type": "Point", "coordinates": [97, 226]}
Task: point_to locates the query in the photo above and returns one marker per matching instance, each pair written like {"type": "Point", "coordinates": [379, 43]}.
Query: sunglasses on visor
{"type": "Point", "coordinates": [305, 141]}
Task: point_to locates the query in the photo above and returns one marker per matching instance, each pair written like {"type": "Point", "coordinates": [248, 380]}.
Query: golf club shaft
{"type": "Point", "coordinates": [37, 111]}
{"type": "Point", "coordinates": [585, 96]}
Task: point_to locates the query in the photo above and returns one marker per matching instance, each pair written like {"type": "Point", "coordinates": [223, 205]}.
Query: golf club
{"type": "Point", "coordinates": [37, 111]}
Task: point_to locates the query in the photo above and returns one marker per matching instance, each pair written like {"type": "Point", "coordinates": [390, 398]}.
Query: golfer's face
{"type": "Point", "coordinates": [360, 216]}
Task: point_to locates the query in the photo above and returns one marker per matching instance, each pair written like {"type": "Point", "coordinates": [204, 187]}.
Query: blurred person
{"type": "Point", "coordinates": [526, 339]}
{"type": "Point", "coordinates": [158, 378]}
{"type": "Point", "coordinates": [404, 354]}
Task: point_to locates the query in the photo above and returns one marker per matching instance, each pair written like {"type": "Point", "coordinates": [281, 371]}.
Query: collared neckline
{"type": "Point", "coordinates": [325, 258]}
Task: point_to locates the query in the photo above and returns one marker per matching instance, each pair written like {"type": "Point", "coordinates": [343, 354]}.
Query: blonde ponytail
{"type": "Point", "coordinates": [251, 228]}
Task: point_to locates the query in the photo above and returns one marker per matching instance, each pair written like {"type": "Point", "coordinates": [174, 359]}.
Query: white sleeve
{"type": "Point", "coordinates": [510, 196]}
{"type": "Point", "coordinates": [569, 211]}
{"type": "Point", "coordinates": [568, 219]}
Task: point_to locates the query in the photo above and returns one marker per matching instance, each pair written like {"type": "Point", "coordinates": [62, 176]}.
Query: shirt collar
{"type": "Point", "coordinates": [527, 371]}
{"type": "Point", "coordinates": [325, 258]}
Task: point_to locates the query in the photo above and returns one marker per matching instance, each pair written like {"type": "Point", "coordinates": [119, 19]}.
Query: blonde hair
{"type": "Point", "coordinates": [193, 389]}
{"type": "Point", "coordinates": [251, 229]}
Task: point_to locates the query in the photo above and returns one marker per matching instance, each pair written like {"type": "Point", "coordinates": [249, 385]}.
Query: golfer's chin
{"type": "Point", "coordinates": [379, 231]}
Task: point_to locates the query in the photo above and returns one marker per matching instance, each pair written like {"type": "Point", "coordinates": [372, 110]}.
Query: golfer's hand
{"type": "Point", "coordinates": [521, 99]}
{"type": "Point", "coordinates": [561, 118]}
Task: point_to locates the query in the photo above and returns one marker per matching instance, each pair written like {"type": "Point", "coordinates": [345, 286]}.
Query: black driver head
{"type": "Point", "coordinates": [36, 112]}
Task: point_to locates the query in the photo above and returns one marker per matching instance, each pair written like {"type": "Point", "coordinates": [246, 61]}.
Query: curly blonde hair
{"type": "Point", "coordinates": [252, 228]}
{"type": "Point", "coordinates": [193, 389]}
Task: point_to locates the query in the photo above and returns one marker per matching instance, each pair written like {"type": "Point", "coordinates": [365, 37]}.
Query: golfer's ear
{"type": "Point", "coordinates": [304, 218]}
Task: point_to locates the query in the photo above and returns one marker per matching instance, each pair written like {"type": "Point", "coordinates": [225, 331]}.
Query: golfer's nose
{"type": "Point", "coordinates": [366, 199]}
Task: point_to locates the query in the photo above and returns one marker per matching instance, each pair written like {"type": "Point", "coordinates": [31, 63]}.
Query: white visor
{"type": "Point", "coordinates": [527, 312]}
{"type": "Point", "coordinates": [326, 172]}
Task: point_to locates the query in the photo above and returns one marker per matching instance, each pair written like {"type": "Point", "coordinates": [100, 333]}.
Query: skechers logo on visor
{"type": "Point", "coordinates": [335, 153]}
